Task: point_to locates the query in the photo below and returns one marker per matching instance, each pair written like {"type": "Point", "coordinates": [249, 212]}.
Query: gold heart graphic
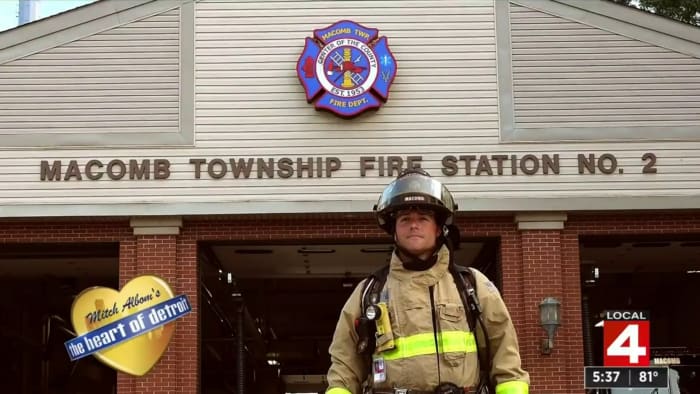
{"type": "Point", "coordinates": [96, 307]}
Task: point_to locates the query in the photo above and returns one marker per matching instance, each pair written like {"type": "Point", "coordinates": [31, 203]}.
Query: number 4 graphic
{"type": "Point", "coordinates": [626, 343]}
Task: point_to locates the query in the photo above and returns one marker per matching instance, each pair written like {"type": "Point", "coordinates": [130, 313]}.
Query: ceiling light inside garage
{"type": "Point", "coordinates": [253, 251]}
{"type": "Point", "coordinates": [305, 250]}
{"type": "Point", "coordinates": [378, 249]}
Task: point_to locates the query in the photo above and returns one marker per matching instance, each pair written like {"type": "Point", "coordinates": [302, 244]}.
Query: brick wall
{"type": "Point", "coordinates": [536, 263]}
{"type": "Point", "coordinates": [581, 224]}
{"type": "Point", "coordinates": [634, 224]}
{"type": "Point", "coordinates": [546, 273]}
{"type": "Point", "coordinates": [170, 257]}
{"type": "Point", "coordinates": [157, 255]}
{"type": "Point", "coordinates": [572, 327]}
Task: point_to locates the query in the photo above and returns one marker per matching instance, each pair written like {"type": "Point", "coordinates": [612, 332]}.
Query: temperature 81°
{"type": "Point", "coordinates": [650, 377]}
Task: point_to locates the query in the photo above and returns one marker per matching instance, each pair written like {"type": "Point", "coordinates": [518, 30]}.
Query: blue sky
{"type": "Point", "coordinates": [8, 10]}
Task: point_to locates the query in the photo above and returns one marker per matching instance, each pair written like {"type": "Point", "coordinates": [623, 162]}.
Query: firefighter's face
{"type": "Point", "coordinates": [417, 231]}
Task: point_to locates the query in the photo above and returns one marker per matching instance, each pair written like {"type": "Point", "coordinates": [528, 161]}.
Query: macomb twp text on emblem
{"type": "Point", "coordinates": [346, 69]}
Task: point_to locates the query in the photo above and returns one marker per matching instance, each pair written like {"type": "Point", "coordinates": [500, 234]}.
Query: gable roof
{"type": "Point", "coordinates": [77, 23]}
{"type": "Point", "coordinates": [105, 14]}
{"type": "Point", "coordinates": [637, 16]}
{"type": "Point", "coordinates": [624, 20]}
{"type": "Point", "coordinates": [55, 15]}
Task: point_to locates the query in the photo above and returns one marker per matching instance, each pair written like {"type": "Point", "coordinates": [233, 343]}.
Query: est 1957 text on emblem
{"type": "Point", "coordinates": [346, 69]}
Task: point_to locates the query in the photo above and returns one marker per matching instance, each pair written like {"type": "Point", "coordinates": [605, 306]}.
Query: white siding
{"type": "Point", "coordinates": [250, 104]}
{"type": "Point", "coordinates": [124, 80]}
{"type": "Point", "coordinates": [247, 87]}
{"type": "Point", "coordinates": [567, 74]}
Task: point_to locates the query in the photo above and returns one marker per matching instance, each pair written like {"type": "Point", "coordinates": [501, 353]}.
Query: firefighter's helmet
{"type": "Point", "coordinates": [414, 188]}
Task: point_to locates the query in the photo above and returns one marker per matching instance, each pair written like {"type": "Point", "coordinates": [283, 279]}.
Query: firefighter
{"type": "Point", "coordinates": [423, 343]}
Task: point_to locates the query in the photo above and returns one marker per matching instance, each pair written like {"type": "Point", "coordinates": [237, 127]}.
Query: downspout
{"type": "Point", "coordinates": [241, 349]}
{"type": "Point", "coordinates": [587, 334]}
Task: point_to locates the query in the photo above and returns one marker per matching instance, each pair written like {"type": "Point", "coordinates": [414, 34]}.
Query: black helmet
{"type": "Point", "coordinates": [414, 188]}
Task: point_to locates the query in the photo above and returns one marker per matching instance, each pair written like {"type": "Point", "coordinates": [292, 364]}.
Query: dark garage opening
{"type": "Point", "coordinates": [289, 297]}
{"type": "Point", "coordinates": [659, 274]}
{"type": "Point", "coordinates": [38, 283]}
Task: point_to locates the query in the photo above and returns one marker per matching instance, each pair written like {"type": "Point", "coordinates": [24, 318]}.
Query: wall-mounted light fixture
{"type": "Point", "coordinates": [550, 319]}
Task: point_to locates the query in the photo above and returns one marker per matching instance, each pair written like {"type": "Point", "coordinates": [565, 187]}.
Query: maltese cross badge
{"type": "Point", "coordinates": [346, 69]}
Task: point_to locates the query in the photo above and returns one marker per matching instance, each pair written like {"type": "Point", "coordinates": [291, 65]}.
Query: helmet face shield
{"type": "Point", "coordinates": [414, 190]}
{"type": "Point", "coordinates": [411, 190]}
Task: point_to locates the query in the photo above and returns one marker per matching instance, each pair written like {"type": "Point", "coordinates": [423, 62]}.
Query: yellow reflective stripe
{"type": "Point", "coordinates": [512, 387]}
{"type": "Point", "coordinates": [423, 344]}
{"type": "Point", "coordinates": [337, 390]}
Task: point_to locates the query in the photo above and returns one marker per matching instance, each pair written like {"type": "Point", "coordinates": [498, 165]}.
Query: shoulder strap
{"type": "Point", "coordinates": [373, 286]}
{"type": "Point", "coordinates": [466, 284]}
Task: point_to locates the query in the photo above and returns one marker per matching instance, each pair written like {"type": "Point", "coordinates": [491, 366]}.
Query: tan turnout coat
{"type": "Point", "coordinates": [415, 366]}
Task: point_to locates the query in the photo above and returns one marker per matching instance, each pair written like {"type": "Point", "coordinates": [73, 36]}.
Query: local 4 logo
{"type": "Point", "coordinates": [626, 339]}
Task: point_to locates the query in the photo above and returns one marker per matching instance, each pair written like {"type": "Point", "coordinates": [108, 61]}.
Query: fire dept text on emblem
{"type": "Point", "coordinates": [346, 69]}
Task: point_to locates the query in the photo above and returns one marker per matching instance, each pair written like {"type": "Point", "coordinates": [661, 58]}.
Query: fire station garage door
{"type": "Point", "coordinates": [659, 274]}
{"type": "Point", "coordinates": [38, 283]}
{"type": "Point", "coordinates": [293, 295]}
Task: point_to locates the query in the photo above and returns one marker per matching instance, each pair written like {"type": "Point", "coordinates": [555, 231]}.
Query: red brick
{"type": "Point", "coordinates": [535, 264]}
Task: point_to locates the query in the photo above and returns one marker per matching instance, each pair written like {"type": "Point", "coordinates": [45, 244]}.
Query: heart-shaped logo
{"type": "Point", "coordinates": [97, 307]}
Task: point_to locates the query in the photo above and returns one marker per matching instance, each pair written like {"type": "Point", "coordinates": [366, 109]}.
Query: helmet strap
{"type": "Point", "coordinates": [414, 263]}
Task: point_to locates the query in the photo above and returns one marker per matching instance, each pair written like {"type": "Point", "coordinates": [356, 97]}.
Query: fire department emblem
{"type": "Point", "coordinates": [346, 69]}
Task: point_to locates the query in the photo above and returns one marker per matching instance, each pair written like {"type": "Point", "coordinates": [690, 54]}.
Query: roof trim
{"type": "Point", "coordinates": [470, 205]}
{"type": "Point", "coordinates": [78, 23]}
{"type": "Point", "coordinates": [607, 16]}
{"type": "Point", "coordinates": [638, 17]}
{"type": "Point", "coordinates": [89, 20]}
{"type": "Point", "coordinates": [64, 20]}
{"type": "Point", "coordinates": [623, 20]}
